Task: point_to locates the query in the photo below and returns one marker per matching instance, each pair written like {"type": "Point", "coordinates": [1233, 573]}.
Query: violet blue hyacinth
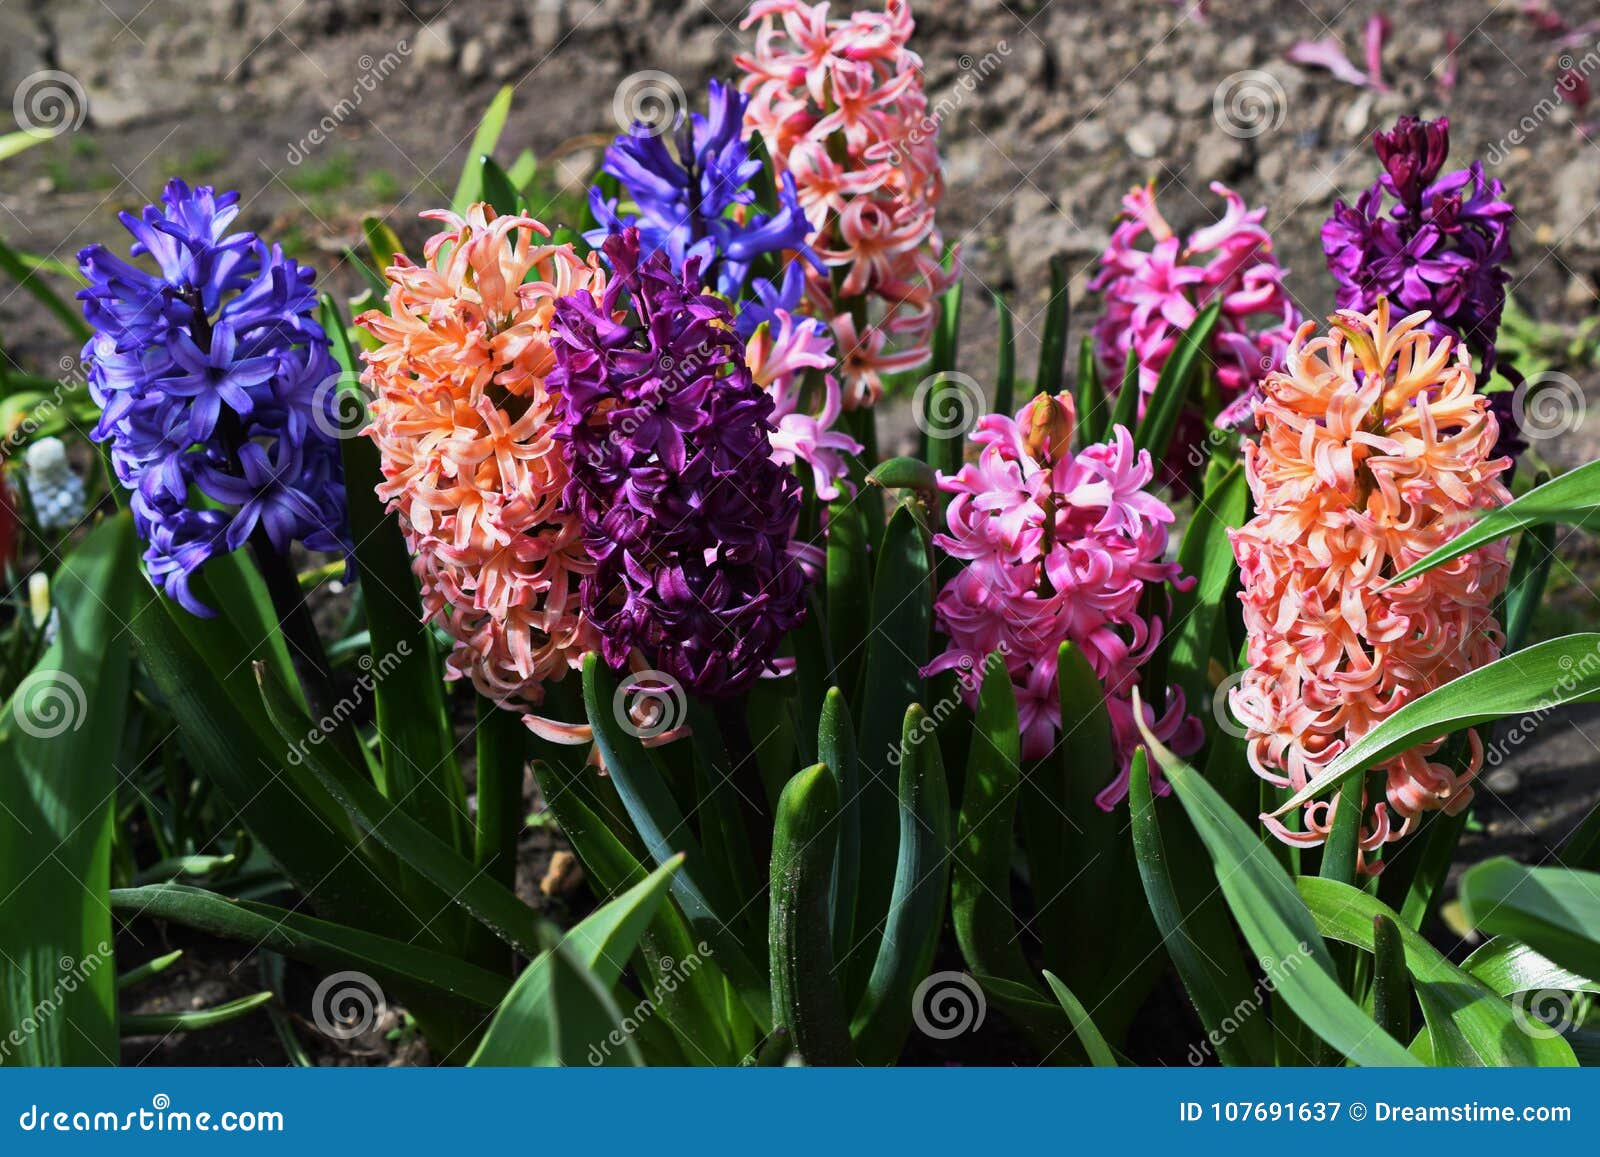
{"type": "Point", "coordinates": [212, 375]}
{"type": "Point", "coordinates": [1442, 246]}
{"type": "Point", "coordinates": [685, 513]}
{"type": "Point", "coordinates": [694, 199]}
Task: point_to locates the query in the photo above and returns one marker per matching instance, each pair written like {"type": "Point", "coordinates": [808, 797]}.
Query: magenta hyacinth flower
{"type": "Point", "coordinates": [1152, 295]}
{"type": "Point", "coordinates": [1058, 546]}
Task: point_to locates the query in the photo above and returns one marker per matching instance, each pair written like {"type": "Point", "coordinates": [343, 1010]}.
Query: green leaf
{"type": "Point", "coordinates": [1093, 1043]}
{"type": "Point", "coordinates": [1053, 339]}
{"type": "Point", "coordinates": [529, 1027]}
{"type": "Point", "coordinates": [897, 650]}
{"type": "Point", "coordinates": [406, 969]}
{"type": "Point", "coordinates": [153, 967]}
{"type": "Point", "coordinates": [162, 1023]}
{"type": "Point", "coordinates": [661, 825]}
{"type": "Point", "coordinates": [606, 938]}
{"type": "Point", "coordinates": [1005, 373]}
{"type": "Point", "coordinates": [502, 743]}
{"type": "Point", "coordinates": [383, 243]}
{"type": "Point", "coordinates": [27, 278]}
{"type": "Point", "coordinates": [1467, 1023]}
{"type": "Point", "coordinates": [452, 874]}
{"type": "Point", "coordinates": [1555, 911]}
{"type": "Point", "coordinates": [1391, 983]}
{"type": "Point", "coordinates": [1201, 944]}
{"type": "Point", "coordinates": [1173, 385]}
{"type": "Point", "coordinates": [1093, 406]}
{"type": "Point", "coordinates": [1274, 919]}
{"type": "Point", "coordinates": [1533, 681]}
{"type": "Point", "coordinates": [806, 1001]}
{"type": "Point", "coordinates": [849, 590]}
{"type": "Point", "coordinates": [1572, 499]}
{"type": "Point", "coordinates": [1206, 554]}
{"type": "Point", "coordinates": [13, 143]}
{"type": "Point", "coordinates": [498, 189]}
{"type": "Point", "coordinates": [1530, 570]}
{"type": "Point", "coordinates": [1125, 411]}
{"type": "Point", "coordinates": [600, 833]}
{"type": "Point", "coordinates": [916, 907]}
{"type": "Point", "coordinates": [416, 745]}
{"type": "Point", "coordinates": [559, 1013]}
{"type": "Point", "coordinates": [1508, 966]}
{"type": "Point", "coordinates": [470, 188]}
{"type": "Point", "coordinates": [836, 748]}
{"type": "Point", "coordinates": [60, 762]}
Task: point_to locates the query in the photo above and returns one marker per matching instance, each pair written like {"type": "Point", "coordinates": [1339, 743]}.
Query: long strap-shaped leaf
{"type": "Point", "coordinates": [1555, 911]}
{"type": "Point", "coordinates": [60, 743]}
{"type": "Point", "coordinates": [1572, 498]}
{"type": "Point", "coordinates": [1194, 931]}
{"type": "Point", "coordinates": [1467, 1023]}
{"type": "Point", "coordinates": [531, 1027]}
{"type": "Point", "coordinates": [1533, 681]}
{"type": "Point", "coordinates": [1274, 919]}
{"type": "Point", "coordinates": [665, 833]}
{"type": "Point", "coordinates": [452, 874]}
{"type": "Point", "coordinates": [916, 905]}
{"type": "Point", "coordinates": [415, 742]}
{"type": "Point", "coordinates": [405, 967]}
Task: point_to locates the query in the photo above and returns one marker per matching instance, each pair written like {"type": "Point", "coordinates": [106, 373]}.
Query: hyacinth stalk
{"type": "Point", "coordinates": [216, 388]}
{"type": "Point", "coordinates": [1154, 294]}
{"type": "Point", "coordinates": [1375, 448]}
{"type": "Point", "coordinates": [671, 476]}
{"type": "Point", "coordinates": [464, 423]}
{"type": "Point", "coordinates": [840, 107]}
{"type": "Point", "coordinates": [1059, 545]}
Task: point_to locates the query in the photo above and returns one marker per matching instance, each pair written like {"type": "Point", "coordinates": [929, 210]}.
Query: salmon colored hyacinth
{"type": "Point", "coordinates": [840, 107]}
{"type": "Point", "coordinates": [463, 421]}
{"type": "Point", "coordinates": [1375, 448]}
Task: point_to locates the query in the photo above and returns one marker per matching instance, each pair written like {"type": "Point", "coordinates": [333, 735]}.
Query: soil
{"type": "Point", "coordinates": [324, 111]}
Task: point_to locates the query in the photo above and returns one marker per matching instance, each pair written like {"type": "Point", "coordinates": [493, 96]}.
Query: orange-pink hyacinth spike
{"type": "Point", "coordinates": [1375, 448]}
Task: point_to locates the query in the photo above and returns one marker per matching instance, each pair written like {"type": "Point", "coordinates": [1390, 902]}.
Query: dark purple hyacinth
{"type": "Point", "coordinates": [694, 199]}
{"type": "Point", "coordinates": [686, 515]}
{"type": "Point", "coordinates": [1441, 246]}
{"type": "Point", "coordinates": [211, 374]}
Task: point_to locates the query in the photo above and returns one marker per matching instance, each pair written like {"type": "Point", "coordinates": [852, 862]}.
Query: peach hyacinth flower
{"type": "Point", "coordinates": [463, 422]}
{"type": "Point", "coordinates": [1375, 448]}
{"type": "Point", "coordinates": [839, 105]}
